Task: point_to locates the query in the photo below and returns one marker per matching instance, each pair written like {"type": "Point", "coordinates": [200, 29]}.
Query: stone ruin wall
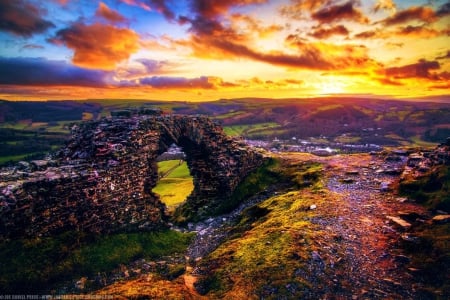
{"type": "Point", "coordinates": [102, 179]}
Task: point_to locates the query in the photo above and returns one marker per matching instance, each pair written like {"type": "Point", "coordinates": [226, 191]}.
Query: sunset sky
{"type": "Point", "coordinates": [210, 49]}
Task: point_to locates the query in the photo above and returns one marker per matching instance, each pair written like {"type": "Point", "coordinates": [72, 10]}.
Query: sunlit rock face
{"type": "Point", "coordinates": [102, 179]}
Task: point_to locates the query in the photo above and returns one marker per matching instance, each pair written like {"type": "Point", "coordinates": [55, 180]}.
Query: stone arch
{"type": "Point", "coordinates": [103, 178]}
{"type": "Point", "coordinates": [216, 162]}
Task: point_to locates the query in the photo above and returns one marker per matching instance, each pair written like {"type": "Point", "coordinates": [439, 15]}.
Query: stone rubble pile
{"type": "Point", "coordinates": [422, 162]}
{"type": "Point", "coordinates": [102, 180]}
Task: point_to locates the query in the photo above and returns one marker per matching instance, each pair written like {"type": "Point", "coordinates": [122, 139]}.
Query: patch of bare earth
{"type": "Point", "coordinates": [359, 256]}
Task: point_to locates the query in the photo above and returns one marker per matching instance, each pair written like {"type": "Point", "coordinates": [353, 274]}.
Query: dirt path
{"type": "Point", "coordinates": [360, 256]}
{"type": "Point", "coordinates": [363, 251]}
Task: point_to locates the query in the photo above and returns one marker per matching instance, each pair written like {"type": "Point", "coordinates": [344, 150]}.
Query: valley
{"type": "Point", "coordinates": [327, 121]}
{"type": "Point", "coordinates": [353, 207]}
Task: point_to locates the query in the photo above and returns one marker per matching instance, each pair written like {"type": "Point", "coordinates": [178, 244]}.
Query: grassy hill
{"type": "Point", "coordinates": [25, 126]}
{"type": "Point", "coordinates": [175, 182]}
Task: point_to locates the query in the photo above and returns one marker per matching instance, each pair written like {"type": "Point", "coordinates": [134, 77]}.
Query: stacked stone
{"type": "Point", "coordinates": [102, 180]}
{"type": "Point", "coordinates": [420, 163]}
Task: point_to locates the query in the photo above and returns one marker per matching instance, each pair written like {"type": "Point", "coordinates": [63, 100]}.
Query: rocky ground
{"type": "Point", "coordinates": [360, 253]}
{"type": "Point", "coordinates": [366, 227]}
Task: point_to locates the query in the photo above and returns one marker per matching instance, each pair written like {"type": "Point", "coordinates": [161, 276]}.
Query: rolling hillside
{"type": "Point", "coordinates": [334, 120]}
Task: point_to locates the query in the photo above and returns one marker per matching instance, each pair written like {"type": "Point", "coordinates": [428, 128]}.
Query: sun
{"type": "Point", "coordinates": [331, 87]}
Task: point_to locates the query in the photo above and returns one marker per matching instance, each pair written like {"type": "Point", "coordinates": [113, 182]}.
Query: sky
{"type": "Point", "coordinates": [197, 50]}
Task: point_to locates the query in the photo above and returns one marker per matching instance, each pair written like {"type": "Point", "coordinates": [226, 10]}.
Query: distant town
{"type": "Point", "coordinates": [321, 147]}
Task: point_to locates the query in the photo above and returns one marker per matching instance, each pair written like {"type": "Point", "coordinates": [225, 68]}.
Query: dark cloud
{"type": "Point", "coordinates": [421, 69]}
{"type": "Point", "coordinates": [161, 6]}
{"type": "Point", "coordinates": [335, 13]}
{"type": "Point", "coordinates": [156, 5]}
{"type": "Point", "coordinates": [108, 14]}
{"type": "Point", "coordinates": [388, 81]}
{"type": "Point", "coordinates": [309, 57]}
{"type": "Point", "coordinates": [419, 13]}
{"type": "Point", "coordinates": [214, 8]}
{"type": "Point", "coordinates": [444, 10]}
{"type": "Point", "coordinates": [32, 46]}
{"type": "Point", "coordinates": [22, 18]}
{"type": "Point", "coordinates": [367, 34]}
{"type": "Point", "coordinates": [297, 8]}
{"type": "Point", "coordinates": [420, 31]}
{"type": "Point", "coordinates": [40, 71]}
{"type": "Point", "coordinates": [445, 56]}
{"type": "Point", "coordinates": [417, 31]}
{"type": "Point", "coordinates": [162, 82]}
{"type": "Point", "coordinates": [323, 33]}
{"type": "Point", "coordinates": [61, 2]}
{"type": "Point", "coordinates": [153, 66]}
{"type": "Point", "coordinates": [98, 46]}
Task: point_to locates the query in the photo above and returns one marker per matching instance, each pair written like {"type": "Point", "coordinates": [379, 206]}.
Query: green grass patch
{"type": "Point", "coordinates": [430, 255]}
{"type": "Point", "coordinates": [417, 141]}
{"type": "Point", "coordinates": [254, 183]}
{"type": "Point", "coordinates": [182, 171]}
{"type": "Point", "coordinates": [328, 107]}
{"type": "Point", "coordinates": [347, 139]}
{"type": "Point", "coordinates": [245, 129]}
{"type": "Point", "coordinates": [432, 189]}
{"type": "Point", "coordinates": [228, 115]}
{"type": "Point", "coordinates": [177, 183]}
{"type": "Point", "coordinates": [273, 241]}
{"type": "Point", "coordinates": [16, 158]}
{"type": "Point", "coordinates": [173, 191]}
{"type": "Point", "coordinates": [167, 165]}
{"type": "Point", "coordinates": [272, 171]}
{"type": "Point", "coordinates": [35, 265]}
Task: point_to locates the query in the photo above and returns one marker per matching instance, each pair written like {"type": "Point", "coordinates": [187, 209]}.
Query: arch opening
{"type": "Point", "coordinates": [175, 182]}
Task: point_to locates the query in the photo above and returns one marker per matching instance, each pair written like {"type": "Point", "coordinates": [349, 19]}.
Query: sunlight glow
{"type": "Point", "coordinates": [331, 87]}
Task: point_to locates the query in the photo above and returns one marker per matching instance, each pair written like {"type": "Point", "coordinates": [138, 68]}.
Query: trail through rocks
{"type": "Point", "coordinates": [363, 258]}
{"type": "Point", "coordinates": [360, 256]}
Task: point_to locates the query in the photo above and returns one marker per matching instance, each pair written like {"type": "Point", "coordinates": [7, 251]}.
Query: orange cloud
{"type": "Point", "coordinates": [388, 81]}
{"type": "Point", "coordinates": [369, 34]}
{"type": "Point", "coordinates": [417, 31]}
{"type": "Point", "coordinates": [297, 8]}
{"type": "Point", "coordinates": [108, 14]}
{"type": "Point", "coordinates": [253, 26]}
{"type": "Point", "coordinates": [419, 13]}
{"type": "Point", "coordinates": [420, 31]}
{"type": "Point", "coordinates": [214, 8]}
{"type": "Point", "coordinates": [421, 69]}
{"type": "Point", "coordinates": [385, 4]}
{"type": "Point", "coordinates": [98, 45]}
{"type": "Point", "coordinates": [332, 56]}
{"type": "Point", "coordinates": [335, 13]}
{"type": "Point", "coordinates": [323, 33]}
{"type": "Point", "coordinates": [210, 38]}
{"type": "Point", "coordinates": [256, 82]}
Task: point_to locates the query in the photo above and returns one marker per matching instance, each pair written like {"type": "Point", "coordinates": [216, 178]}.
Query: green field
{"type": "Point", "coordinates": [249, 129]}
{"type": "Point", "coordinates": [177, 183]}
{"type": "Point", "coordinates": [36, 264]}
